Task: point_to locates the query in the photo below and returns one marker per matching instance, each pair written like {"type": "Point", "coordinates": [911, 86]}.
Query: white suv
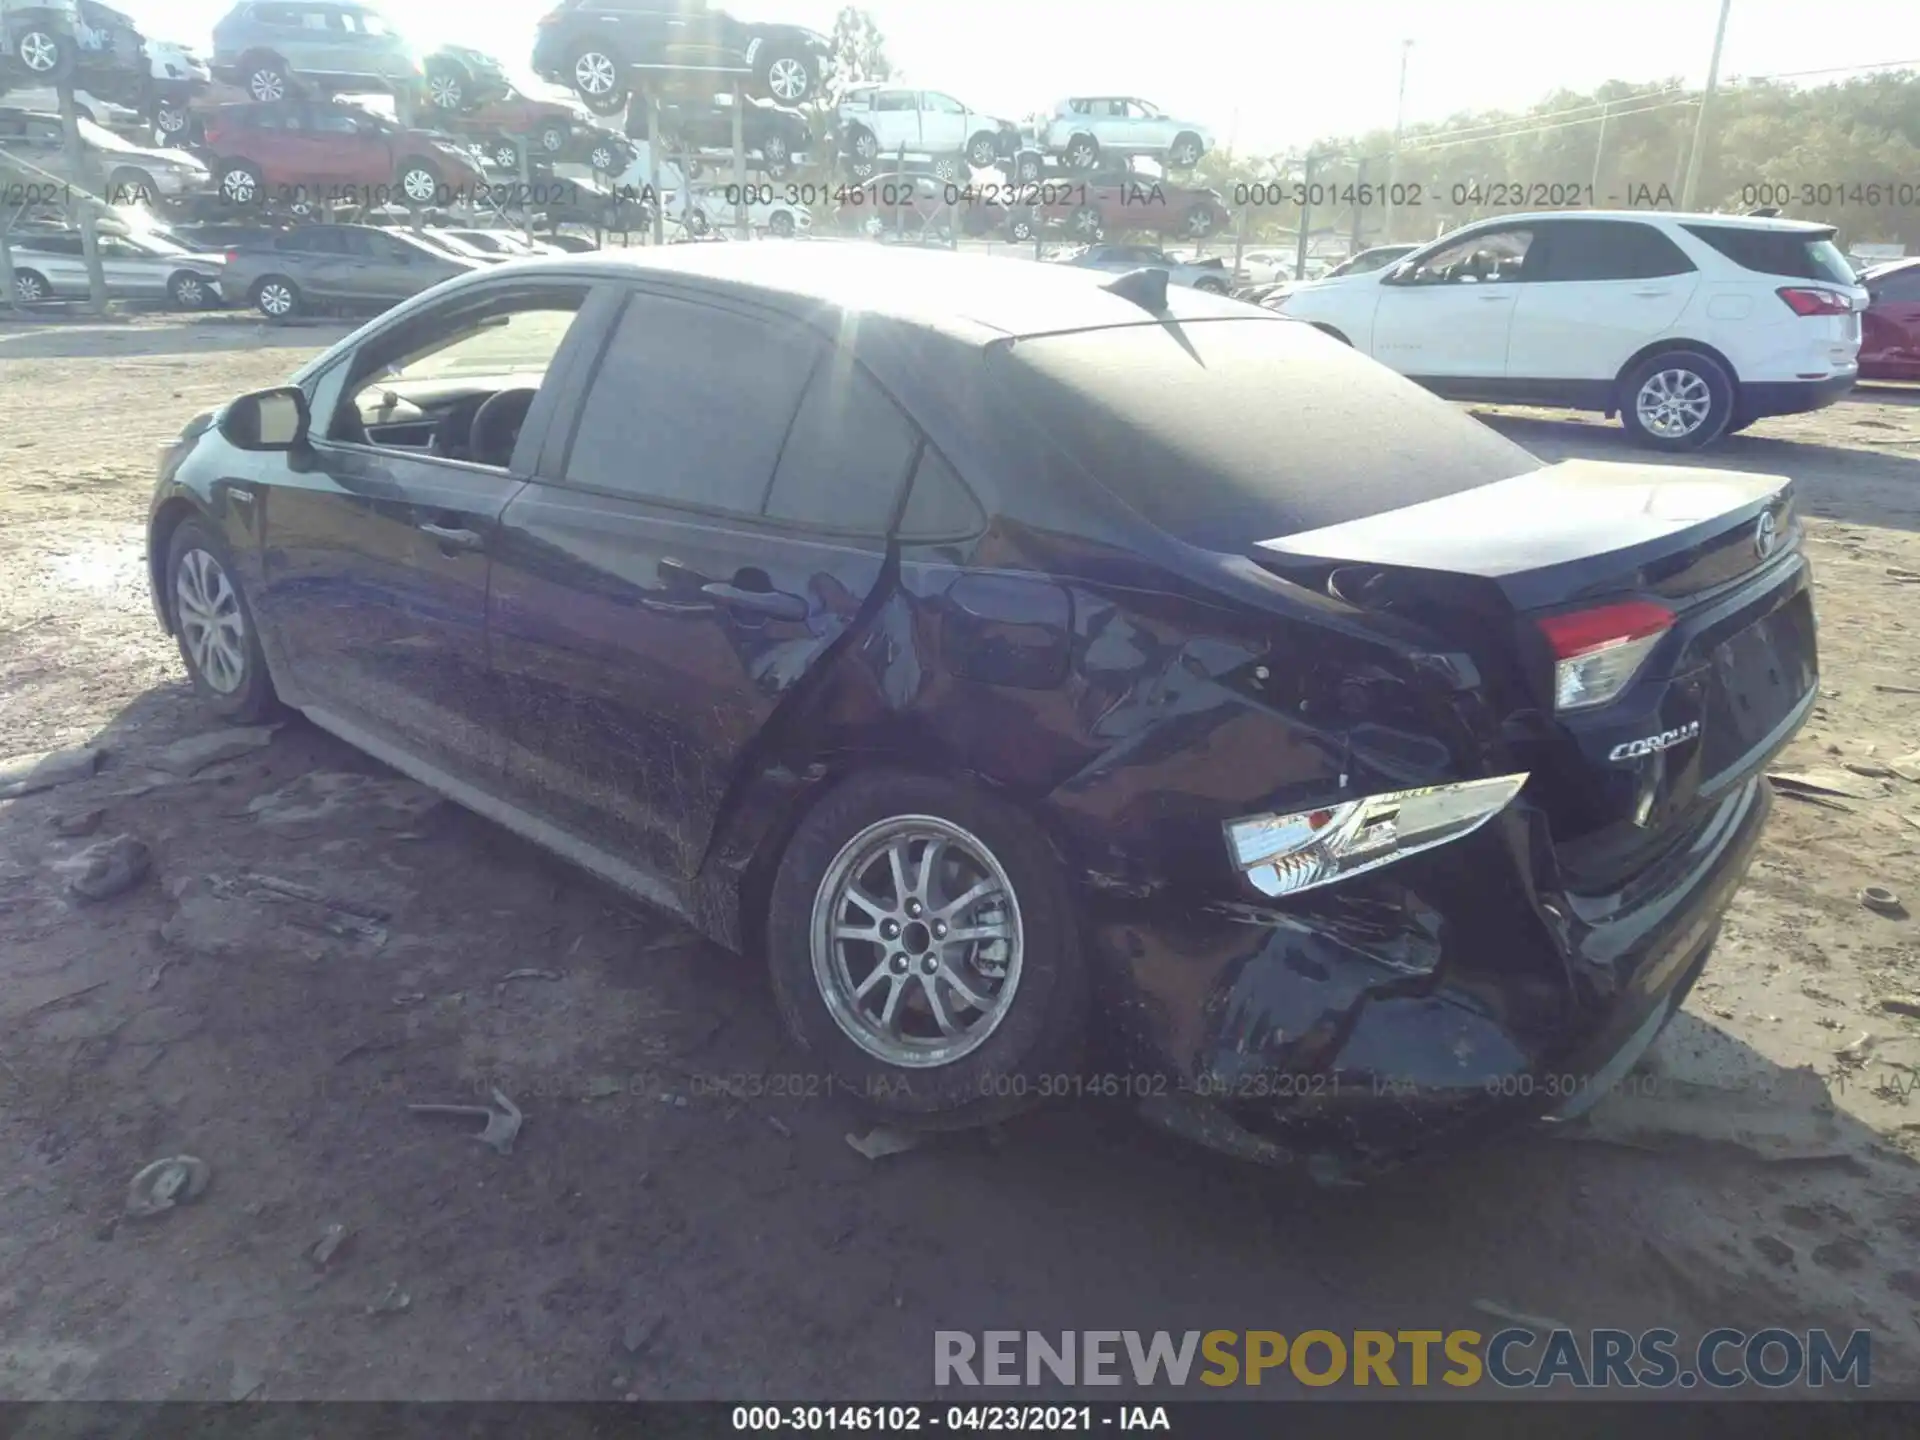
{"type": "Point", "coordinates": [878, 120]}
{"type": "Point", "coordinates": [1091, 130]}
{"type": "Point", "coordinates": [1689, 327]}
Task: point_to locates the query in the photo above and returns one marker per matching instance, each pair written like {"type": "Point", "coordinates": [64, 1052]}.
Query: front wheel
{"type": "Point", "coordinates": [219, 642]}
{"type": "Point", "coordinates": [240, 185]}
{"type": "Point", "coordinates": [1022, 228]}
{"type": "Point", "coordinates": [780, 225]}
{"type": "Point", "coordinates": [923, 944]}
{"type": "Point", "coordinates": [30, 287]}
{"type": "Point", "coordinates": [553, 138]}
{"type": "Point", "coordinates": [598, 82]}
{"type": "Point", "coordinates": [1185, 152]}
{"type": "Point", "coordinates": [44, 55]}
{"type": "Point", "coordinates": [190, 291]}
{"type": "Point", "coordinates": [776, 156]}
{"type": "Point", "coordinates": [788, 77]}
{"type": "Point", "coordinates": [276, 297]}
{"type": "Point", "coordinates": [418, 182]}
{"type": "Point", "coordinates": [267, 81]}
{"type": "Point", "coordinates": [1083, 153]}
{"type": "Point", "coordinates": [449, 89]}
{"type": "Point", "coordinates": [170, 120]}
{"type": "Point", "coordinates": [1680, 400]}
{"type": "Point", "coordinates": [1200, 222]}
{"type": "Point", "coordinates": [1028, 169]}
{"type": "Point", "coordinates": [981, 151]}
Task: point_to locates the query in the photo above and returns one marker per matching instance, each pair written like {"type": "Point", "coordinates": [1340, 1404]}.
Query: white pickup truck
{"type": "Point", "coordinates": [1087, 131]}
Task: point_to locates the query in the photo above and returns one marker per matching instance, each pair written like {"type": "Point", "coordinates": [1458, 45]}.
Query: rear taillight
{"type": "Point", "coordinates": [1598, 652]}
{"type": "Point", "coordinates": [231, 256]}
{"type": "Point", "coordinates": [1805, 300]}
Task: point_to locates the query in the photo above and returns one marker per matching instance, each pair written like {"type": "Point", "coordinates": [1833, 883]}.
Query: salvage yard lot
{"type": "Point", "coordinates": [319, 944]}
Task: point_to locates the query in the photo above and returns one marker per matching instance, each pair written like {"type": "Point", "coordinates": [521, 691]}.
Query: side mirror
{"type": "Point", "coordinates": [267, 420]}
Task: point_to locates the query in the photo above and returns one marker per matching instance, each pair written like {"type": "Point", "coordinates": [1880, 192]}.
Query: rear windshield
{"type": "Point", "coordinates": [1799, 254]}
{"type": "Point", "coordinates": [1225, 433]}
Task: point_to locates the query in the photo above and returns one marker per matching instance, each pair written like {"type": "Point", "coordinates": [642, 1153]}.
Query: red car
{"type": "Point", "coordinates": [283, 151]}
{"type": "Point", "coordinates": [557, 129]}
{"type": "Point", "coordinates": [1890, 330]}
{"type": "Point", "coordinates": [1117, 204]}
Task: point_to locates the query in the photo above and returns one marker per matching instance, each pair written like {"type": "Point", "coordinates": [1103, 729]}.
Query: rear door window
{"type": "Point", "coordinates": [1606, 250]}
{"type": "Point", "coordinates": [1796, 254]}
{"type": "Point", "coordinates": [691, 405]}
{"type": "Point", "coordinates": [846, 457]}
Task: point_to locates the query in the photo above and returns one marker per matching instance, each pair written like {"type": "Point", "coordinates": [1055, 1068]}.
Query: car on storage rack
{"type": "Point", "coordinates": [325, 150]}
{"type": "Point", "coordinates": [775, 136]}
{"type": "Point", "coordinates": [39, 40]}
{"type": "Point", "coordinates": [1067, 675]}
{"type": "Point", "coordinates": [1126, 203]}
{"type": "Point", "coordinates": [1689, 327]}
{"type": "Point", "coordinates": [272, 47]}
{"type": "Point", "coordinates": [130, 174]}
{"type": "Point", "coordinates": [878, 120]}
{"type": "Point", "coordinates": [713, 209]}
{"type": "Point", "coordinates": [1210, 274]}
{"type": "Point", "coordinates": [600, 48]}
{"type": "Point", "coordinates": [1089, 132]}
{"type": "Point", "coordinates": [176, 78]}
{"type": "Point", "coordinates": [51, 265]}
{"type": "Point", "coordinates": [902, 204]}
{"type": "Point", "coordinates": [459, 78]}
{"type": "Point", "coordinates": [550, 120]}
{"type": "Point", "coordinates": [337, 267]}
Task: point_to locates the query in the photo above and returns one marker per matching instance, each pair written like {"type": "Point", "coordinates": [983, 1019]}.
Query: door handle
{"type": "Point", "coordinates": [452, 539]}
{"type": "Point", "coordinates": [1653, 294]}
{"type": "Point", "coordinates": [1496, 297]}
{"type": "Point", "coordinates": [776, 604]}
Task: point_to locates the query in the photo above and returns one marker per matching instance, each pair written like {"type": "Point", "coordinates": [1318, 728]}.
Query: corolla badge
{"type": "Point", "coordinates": [1766, 535]}
{"type": "Point", "coordinates": [1653, 744]}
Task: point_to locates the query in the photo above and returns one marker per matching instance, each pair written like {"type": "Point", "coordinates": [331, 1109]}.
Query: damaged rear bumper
{"type": "Point", "coordinates": [1419, 1008]}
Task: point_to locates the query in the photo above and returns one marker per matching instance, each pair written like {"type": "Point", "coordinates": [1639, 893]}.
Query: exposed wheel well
{"type": "Point", "coordinates": [261, 57]}
{"type": "Point", "coordinates": [170, 517]}
{"type": "Point", "coordinates": [1659, 347]}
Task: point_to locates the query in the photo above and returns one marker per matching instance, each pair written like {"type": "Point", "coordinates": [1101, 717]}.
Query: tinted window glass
{"type": "Point", "coordinates": [1794, 253]}
{"type": "Point", "coordinates": [313, 242]}
{"type": "Point", "coordinates": [1608, 250]}
{"type": "Point", "coordinates": [895, 100]}
{"type": "Point", "coordinates": [846, 456]}
{"type": "Point", "coordinates": [690, 405]}
{"type": "Point", "coordinates": [1486, 255]}
{"type": "Point", "coordinates": [1902, 286]}
{"type": "Point", "coordinates": [1229, 432]}
{"type": "Point", "coordinates": [940, 507]}
{"type": "Point", "coordinates": [51, 244]}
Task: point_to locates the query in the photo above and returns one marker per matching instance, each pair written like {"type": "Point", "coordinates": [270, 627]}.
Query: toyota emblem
{"type": "Point", "coordinates": [1765, 536]}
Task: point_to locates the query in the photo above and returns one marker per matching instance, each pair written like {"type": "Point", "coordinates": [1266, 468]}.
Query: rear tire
{"type": "Point", "coordinates": [1678, 400]}
{"type": "Point", "coordinates": [776, 156]}
{"type": "Point", "coordinates": [1026, 1016]}
{"type": "Point", "coordinates": [1185, 152]}
{"type": "Point", "coordinates": [1083, 153]}
{"type": "Point", "coordinates": [170, 122]}
{"type": "Point", "coordinates": [982, 150]}
{"type": "Point", "coordinates": [277, 297]}
{"type": "Point", "coordinates": [418, 182]}
{"type": "Point", "coordinates": [267, 79]}
{"type": "Point", "coordinates": [598, 79]}
{"type": "Point", "coordinates": [449, 87]}
{"type": "Point", "coordinates": [553, 139]}
{"type": "Point", "coordinates": [43, 54]}
{"type": "Point", "coordinates": [190, 291]}
{"type": "Point", "coordinates": [788, 77]}
{"type": "Point", "coordinates": [214, 625]}
{"type": "Point", "coordinates": [780, 226]}
{"type": "Point", "coordinates": [241, 184]}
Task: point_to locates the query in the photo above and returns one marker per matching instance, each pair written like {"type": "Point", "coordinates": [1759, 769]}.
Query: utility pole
{"type": "Point", "coordinates": [653, 174]}
{"type": "Point", "coordinates": [1306, 215]}
{"type": "Point", "coordinates": [1354, 246]}
{"type": "Point", "coordinates": [1600, 148]}
{"type": "Point", "coordinates": [1700, 121]}
{"type": "Point", "coordinates": [739, 162]}
{"type": "Point", "coordinates": [79, 165]}
{"type": "Point", "coordinates": [1399, 124]}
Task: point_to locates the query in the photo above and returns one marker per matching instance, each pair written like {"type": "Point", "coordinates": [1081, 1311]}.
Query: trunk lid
{"type": "Point", "coordinates": [1724, 686]}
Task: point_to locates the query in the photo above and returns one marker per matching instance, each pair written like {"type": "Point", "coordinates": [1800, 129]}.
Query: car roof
{"type": "Point", "coordinates": [977, 299]}
{"type": "Point", "coordinates": [1671, 217]}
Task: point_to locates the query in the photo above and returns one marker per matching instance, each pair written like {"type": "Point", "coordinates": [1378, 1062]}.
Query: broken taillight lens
{"type": "Point", "coordinates": [1808, 300]}
{"type": "Point", "coordinates": [1598, 652]}
{"type": "Point", "coordinates": [1286, 854]}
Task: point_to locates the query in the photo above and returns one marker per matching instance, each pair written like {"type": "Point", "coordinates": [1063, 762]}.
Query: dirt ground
{"type": "Point", "coordinates": [319, 945]}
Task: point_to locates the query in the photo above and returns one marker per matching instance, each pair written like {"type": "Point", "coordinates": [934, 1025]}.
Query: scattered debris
{"type": "Point", "coordinates": [151, 979]}
{"type": "Point", "coordinates": [75, 823]}
{"type": "Point", "coordinates": [330, 1241]}
{"type": "Point", "coordinates": [503, 1121]}
{"type": "Point", "coordinates": [780, 1127]}
{"type": "Point", "coordinates": [1872, 769]}
{"type": "Point", "coordinates": [1881, 900]}
{"type": "Point", "coordinates": [392, 1302]}
{"type": "Point", "coordinates": [1898, 689]}
{"type": "Point", "coordinates": [411, 997]}
{"type": "Point", "coordinates": [196, 752]}
{"type": "Point", "coordinates": [882, 1141]}
{"type": "Point", "coordinates": [166, 1183]}
{"type": "Point", "coordinates": [600, 1087]}
{"type": "Point", "coordinates": [60, 1000]}
{"type": "Point", "coordinates": [1858, 1048]}
{"type": "Point", "coordinates": [532, 975]}
{"type": "Point", "coordinates": [639, 1334]}
{"type": "Point", "coordinates": [679, 1102]}
{"type": "Point", "coordinates": [1907, 767]}
{"type": "Point", "coordinates": [1901, 1005]}
{"type": "Point", "coordinates": [27, 774]}
{"type": "Point", "coordinates": [1532, 1322]}
{"type": "Point", "coordinates": [108, 868]}
{"type": "Point", "coordinates": [1824, 782]}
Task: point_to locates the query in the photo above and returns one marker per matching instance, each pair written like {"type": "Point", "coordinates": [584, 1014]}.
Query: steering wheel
{"type": "Point", "coordinates": [496, 427]}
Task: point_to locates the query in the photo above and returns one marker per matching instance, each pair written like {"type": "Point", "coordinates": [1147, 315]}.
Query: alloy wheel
{"type": "Point", "coordinates": [917, 941]}
{"type": "Point", "coordinates": [189, 292]}
{"type": "Point", "coordinates": [238, 186]}
{"type": "Point", "coordinates": [445, 92]}
{"type": "Point", "coordinates": [29, 288]}
{"type": "Point", "coordinates": [506, 157]}
{"type": "Point", "coordinates": [866, 145]}
{"type": "Point", "coordinates": [276, 298]}
{"type": "Point", "coordinates": [211, 624]}
{"type": "Point", "coordinates": [1199, 222]}
{"type": "Point", "coordinates": [602, 159]}
{"type": "Point", "coordinates": [419, 185]}
{"type": "Point", "coordinates": [170, 119]}
{"type": "Point", "coordinates": [39, 52]}
{"type": "Point", "coordinates": [553, 140]}
{"type": "Point", "coordinates": [267, 85]}
{"type": "Point", "coordinates": [787, 79]}
{"type": "Point", "coordinates": [594, 74]}
{"type": "Point", "coordinates": [1184, 157]}
{"type": "Point", "coordinates": [1672, 404]}
{"type": "Point", "coordinates": [1081, 155]}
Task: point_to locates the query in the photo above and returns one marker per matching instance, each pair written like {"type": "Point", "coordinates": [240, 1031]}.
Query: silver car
{"type": "Point", "coordinates": [51, 266]}
{"type": "Point", "coordinates": [361, 266]}
{"type": "Point", "coordinates": [133, 174]}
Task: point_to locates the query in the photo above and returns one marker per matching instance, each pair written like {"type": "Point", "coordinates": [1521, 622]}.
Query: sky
{"type": "Point", "coordinates": [1267, 75]}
